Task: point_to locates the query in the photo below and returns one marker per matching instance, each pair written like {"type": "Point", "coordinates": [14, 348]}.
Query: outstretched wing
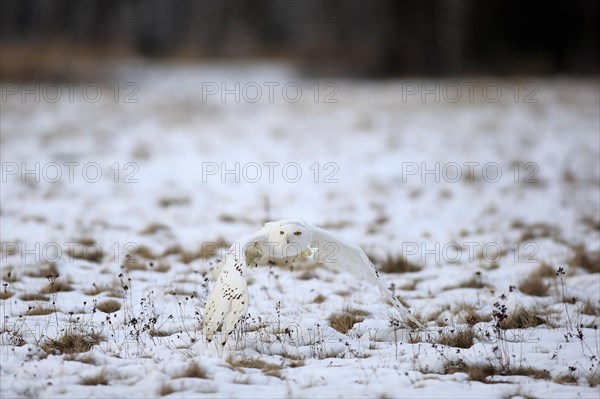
{"type": "Point", "coordinates": [227, 303]}
{"type": "Point", "coordinates": [337, 251]}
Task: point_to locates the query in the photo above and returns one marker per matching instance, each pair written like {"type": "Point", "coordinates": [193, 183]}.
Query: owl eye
{"type": "Point", "coordinates": [281, 232]}
{"type": "Point", "coordinates": [297, 233]}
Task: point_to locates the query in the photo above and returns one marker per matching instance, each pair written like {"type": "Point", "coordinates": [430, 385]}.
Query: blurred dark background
{"type": "Point", "coordinates": [53, 38]}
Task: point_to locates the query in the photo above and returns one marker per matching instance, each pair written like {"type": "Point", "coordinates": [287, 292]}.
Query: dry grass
{"type": "Point", "coordinates": [10, 276]}
{"type": "Point", "coordinates": [193, 370]}
{"type": "Point", "coordinates": [590, 308]}
{"type": "Point", "coordinates": [343, 293]}
{"type": "Point", "coordinates": [474, 282]}
{"type": "Point", "coordinates": [173, 201]}
{"type": "Point", "coordinates": [398, 264]}
{"type": "Point", "coordinates": [98, 289]}
{"type": "Point", "coordinates": [565, 379]}
{"type": "Point", "coordinates": [320, 298]}
{"type": "Point", "coordinates": [85, 358]}
{"type": "Point", "coordinates": [585, 259]}
{"type": "Point", "coordinates": [98, 379]}
{"type": "Point", "coordinates": [269, 369]}
{"type": "Point", "coordinates": [545, 270]}
{"type": "Point", "coordinates": [206, 251]}
{"type": "Point", "coordinates": [44, 271]}
{"type": "Point", "coordinates": [307, 275]}
{"type": "Point", "coordinates": [345, 320]}
{"type": "Point", "coordinates": [34, 297]}
{"type": "Point", "coordinates": [43, 311]}
{"type": "Point", "coordinates": [13, 336]}
{"type": "Point", "coordinates": [161, 333]}
{"type": "Point", "coordinates": [534, 285]}
{"type": "Point", "coordinates": [481, 372]}
{"type": "Point", "coordinates": [154, 228]}
{"type": "Point", "coordinates": [460, 338]}
{"type": "Point", "coordinates": [72, 342]}
{"type": "Point", "coordinates": [56, 286]}
{"type": "Point", "coordinates": [591, 223]}
{"type": "Point", "coordinates": [86, 249]}
{"type": "Point", "coordinates": [594, 380]}
{"type": "Point", "coordinates": [409, 285]}
{"type": "Point", "coordinates": [539, 230]}
{"type": "Point", "coordinates": [471, 315]}
{"type": "Point", "coordinates": [166, 389]}
{"type": "Point", "coordinates": [162, 267]}
{"type": "Point", "coordinates": [109, 306]}
{"type": "Point", "coordinates": [6, 294]}
{"type": "Point", "coordinates": [144, 252]}
{"type": "Point", "coordinates": [132, 262]}
{"type": "Point", "coordinates": [522, 318]}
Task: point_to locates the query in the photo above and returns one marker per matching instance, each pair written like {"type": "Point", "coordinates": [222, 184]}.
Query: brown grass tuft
{"type": "Point", "coordinates": [56, 286]}
{"type": "Point", "coordinates": [97, 379]}
{"type": "Point", "coordinates": [133, 262]}
{"type": "Point", "coordinates": [5, 294]}
{"type": "Point", "coordinates": [193, 370]}
{"type": "Point", "coordinates": [545, 270]}
{"type": "Point", "coordinates": [590, 308]}
{"type": "Point", "coordinates": [44, 271]}
{"type": "Point", "coordinates": [460, 338]}
{"type": "Point", "coordinates": [345, 320]}
{"type": "Point", "coordinates": [398, 264]}
{"type": "Point", "coordinates": [97, 289]}
{"type": "Point", "coordinates": [307, 275]}
{"type": "Point", "coordinates": [534, 285]}
{"type": "Point", "coordinates": [166, 389]}
{"type": "Point", "coordinates": [162, 267]}
{"type": "Point", "coordinates": [161, 333]}
{"type": "Point", "coordinates": [540, 230]}
{"type": "Point", "coordinates": [206, 251]}
{"type": "Point", "coordinates": [14, 336]}
{"type": "Point", "coordinates": [521, 318]}
{"type": "Point", "coordinates": [173, 201]}
{"type": "Point", "coordinates": [109, 306]}
{"type": "Point", "coordinates": [72, 342]}
{"type": "Point", "coordinates": [144, 252]}
{"type": "Point", "coordinates": [585, 259]}
{"type": "Point", "coordinates": [565, 379]}
{"type": "Point", "coordinates": [481, 372]}
{"type": "Point", "coordinates": [34, 297]}
{"type": "Point", "coordinates": [10, 276]}
{"type": "Point", "coordinates": [85, 358]}
{"type": "Point", "coordinates": [86, 249]}
{"type": "Point", "coordinates": [320, 298]}
{"type": "Point", "coordinates": [154, 228]}
{"type": "Point", "coordinates": [474, 282]}
{"type": "Point", "coordinates": [471, 315]}
{"type": "Point", "coordinates": [269, 369]}
{"type": "Point", "coordinates": [43, 311]}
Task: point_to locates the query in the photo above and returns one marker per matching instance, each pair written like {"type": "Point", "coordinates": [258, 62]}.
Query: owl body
{"type": "Point", "coordinates": [284, 241]}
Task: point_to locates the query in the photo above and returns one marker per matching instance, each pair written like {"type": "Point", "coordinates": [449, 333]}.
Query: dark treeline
{"type": "Point", "coordinates": [364, 38]}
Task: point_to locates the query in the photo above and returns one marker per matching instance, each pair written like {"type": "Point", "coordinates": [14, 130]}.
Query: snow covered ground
{"type": "Point", "coordinates": [129, 190]}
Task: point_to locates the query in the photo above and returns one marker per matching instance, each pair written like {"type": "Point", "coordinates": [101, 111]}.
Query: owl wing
{"type": "Point", "coordinates": [227, 303]}
{"type": "Point", "coordinates": [339, 252]}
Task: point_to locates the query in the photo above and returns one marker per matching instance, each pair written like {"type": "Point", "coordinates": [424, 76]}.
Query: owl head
{"type": "Point", "coordinates": [289, 238]}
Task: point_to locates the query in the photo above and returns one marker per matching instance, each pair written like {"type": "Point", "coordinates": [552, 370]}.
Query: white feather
{"type": "Point", "coordinates": [350, 257]}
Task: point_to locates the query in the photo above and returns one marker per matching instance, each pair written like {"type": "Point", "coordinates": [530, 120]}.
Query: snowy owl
{"type": "Point", "coordinates": [284, 240]}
